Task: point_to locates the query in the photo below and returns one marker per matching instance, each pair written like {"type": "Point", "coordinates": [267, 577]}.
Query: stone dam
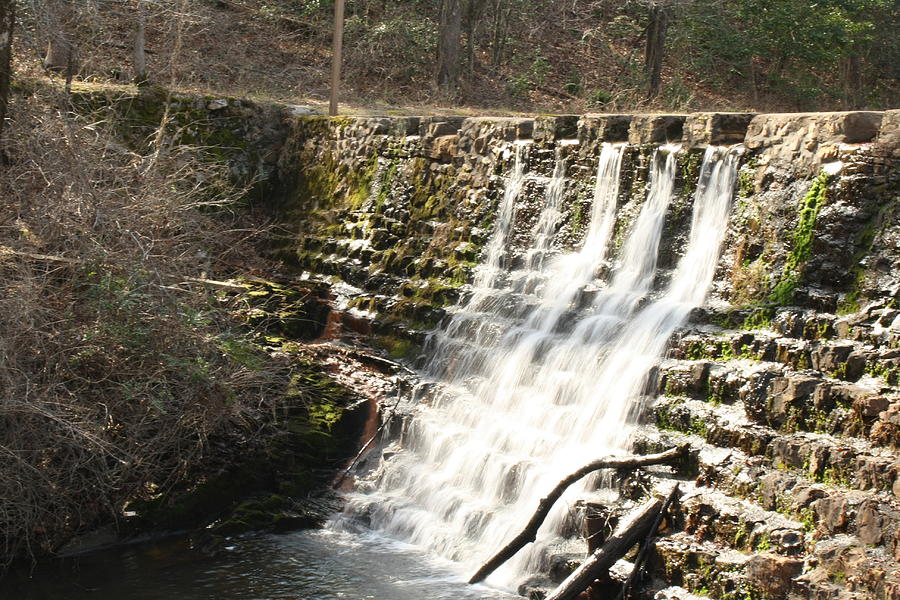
{"type": "Point", "coordinates": [479, 250]}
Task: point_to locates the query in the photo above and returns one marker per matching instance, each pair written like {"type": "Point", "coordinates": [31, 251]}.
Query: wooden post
{"type": "Point", "coordinates": [337, 46]}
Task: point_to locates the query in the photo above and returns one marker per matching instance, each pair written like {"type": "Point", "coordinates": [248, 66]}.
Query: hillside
{"type": "Point", "coordinates": [525, 56]}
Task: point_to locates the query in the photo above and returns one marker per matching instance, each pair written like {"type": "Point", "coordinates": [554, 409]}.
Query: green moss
{"type": "Point", "coordinates": [690, 171]}
{"type": "Point", "coordinates": [783, 292]}
{"type": "Point", "coordinates": [245, 353]}
{"type": "Point", "coordinates": [361, 188]}
{"type": "Point", "coordinates": [747, 178]}
{"type": "Point", "coordinates": [760, 318]}
{"type": "Point", "coordinates": [386, 182]}
{"type": "Point", "coordinates": [399, 348]}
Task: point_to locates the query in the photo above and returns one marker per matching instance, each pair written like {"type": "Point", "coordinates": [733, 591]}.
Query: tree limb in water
{"type": "Point", "coordinates": [529, 533]}
{"type": "Point", "coordinates": [627, 534]}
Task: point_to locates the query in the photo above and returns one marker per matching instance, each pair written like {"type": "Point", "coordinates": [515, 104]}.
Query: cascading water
{"type": "Point", "coordinates": [518, 396]}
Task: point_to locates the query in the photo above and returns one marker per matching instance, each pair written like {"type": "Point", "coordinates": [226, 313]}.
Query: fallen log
{"type": "Point", "coordinates": [529, 533]}
{"type": "Point", "coordinates": [627, 534]}
{"type": "Point", "coordinates": [640, 563]}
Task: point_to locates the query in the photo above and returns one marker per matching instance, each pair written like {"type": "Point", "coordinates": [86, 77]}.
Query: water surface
{"type": "Point", "coordinates": [319, 564]}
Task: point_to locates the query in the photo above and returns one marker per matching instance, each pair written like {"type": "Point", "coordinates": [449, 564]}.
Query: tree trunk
{"type": "Point", "coordinates": [640, 563]}
{"type": "Point", "coordinates": [497, 35]}
{"type": "Point", "coordinates": [448, 45]}
{"type": "Point", "coordinates": [474, 10]}
{"type": "Point", "coordinates": [852, 81]}
{"type": "Point", "coordinates": [61, 47]}
{"type": "Point", "coordinates": [656, 43]}
{"type": "Point", "coordinates": [529, 533]}
{"type": "Point", "coordinates": [140, 56]}
{"type": "Point", "coordinates": [7, 21]}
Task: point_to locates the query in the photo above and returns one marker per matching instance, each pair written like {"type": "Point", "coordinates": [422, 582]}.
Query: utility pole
{"type": "Point", "coordinates": [337, 45]}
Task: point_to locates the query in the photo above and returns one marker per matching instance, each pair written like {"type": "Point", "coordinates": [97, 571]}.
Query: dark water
{"type": "Point", "coordinates": [320, 565]}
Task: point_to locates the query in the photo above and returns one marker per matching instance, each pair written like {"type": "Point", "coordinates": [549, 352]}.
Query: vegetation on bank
{"type": "Point", "coordinates": [130, 378]}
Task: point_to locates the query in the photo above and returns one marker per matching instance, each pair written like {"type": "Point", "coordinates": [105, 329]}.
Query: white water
{"type": "Point", "coordinates": [526, 387]}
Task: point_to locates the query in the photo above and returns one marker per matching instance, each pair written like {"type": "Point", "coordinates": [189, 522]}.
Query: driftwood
{"type": "Point", "coordinates": [529, 533]}
{"type": "Point", "coordinates": [626, 535]}
{"type": "Point", "coordinates": [637, 571]}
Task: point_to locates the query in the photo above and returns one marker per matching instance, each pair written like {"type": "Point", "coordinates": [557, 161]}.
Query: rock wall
{"type": "Point", "coordinates": [785, 384]}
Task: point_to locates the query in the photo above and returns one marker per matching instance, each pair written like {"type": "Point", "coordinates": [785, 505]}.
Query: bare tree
{"type": "Point", "coordinates": [448, 45]}
{"type": "Point", "coordinates": [7, 22]}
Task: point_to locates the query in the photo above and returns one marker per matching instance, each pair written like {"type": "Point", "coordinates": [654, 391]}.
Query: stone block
{"type": "Point", "coordinates": [595, 128]}
{"type": "Point", "coordinates": [716, 128]}
{"type": "Point", "coordinates": [870, 523]}
{"type": "Point", "coordinates": [889, 133]}
{"type": "Point", "coordinates": [807, 140]}
{"type": "Point", "coordinates": [556, 127]}
{"type": "Point", "coordinates": [656, 129]}
{"type": "Point", "coordinates": [405, 126]}
{"type": "Point", "coordinates": [440, 126]}
{"type": "Point", "coordinates": [444, 148]}
{"type": "Point", "coordinates": [524, 129]}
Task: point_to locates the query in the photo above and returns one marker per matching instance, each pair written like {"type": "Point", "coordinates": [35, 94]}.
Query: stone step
{"type": "Point", "coordinates": [877, 324]}
{"type": "Point", "coordinates": [866, 521]}
{"type": "Point", "coordinates": [852, 463]}
{"type": "Point", "coordinates": [673, 592]}
{"type": "Point", "coordinates": [786, 400]}
{"type": "Point", "coordinates": [710, 514]}
{"type": "Point", "coordinates": [842, 359]}
{"type": "Point", "coordinates": [703, 568]}
{"type": "Point", "coordinates": [726, 548]}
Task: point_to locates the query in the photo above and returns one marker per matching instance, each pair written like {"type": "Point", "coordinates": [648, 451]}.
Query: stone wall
{"type": "Point", "coordinates": [400, 207]}
{"type": "Point", "coordinates": [785, 384]}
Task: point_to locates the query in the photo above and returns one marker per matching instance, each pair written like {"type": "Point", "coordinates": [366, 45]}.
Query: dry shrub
{"type": "Point", "coordinates": [115, 367]}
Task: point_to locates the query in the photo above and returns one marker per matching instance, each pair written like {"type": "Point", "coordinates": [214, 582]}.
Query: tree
{"type": "Point", "coordinates": [473, 13]}
{"type": "Point", "coordinates": [60, 55]}
{"type": "Point", "coordinates": [448, 45]}
{"type": "Point", "coordinates": [140, 56]}
{"type": "Point", "coordinates": [7, 22]}
{"type": "Point", "coordinates": [655, 47]}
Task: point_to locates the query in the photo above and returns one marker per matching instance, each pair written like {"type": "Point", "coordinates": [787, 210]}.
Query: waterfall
{"type": "Point", "coordinates": [516, 395]}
